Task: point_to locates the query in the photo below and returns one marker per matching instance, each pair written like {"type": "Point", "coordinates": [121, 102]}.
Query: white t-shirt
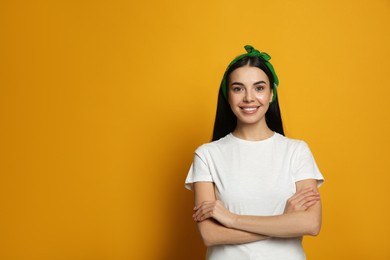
{"type": "Point", "coordinates": [255, 178]}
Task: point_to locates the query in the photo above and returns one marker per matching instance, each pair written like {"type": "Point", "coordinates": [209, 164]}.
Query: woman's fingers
{"type": "Point", "coordinates": [309, 196]}
{"type": "Point", "coordinates": [302, 200]}
{"type": "Point", "coordinates": [305, 196]}
{"type": "Point", "coordinates": [304, 193]}
{"type": "Point", "coordinates": [299, 195]}
{"type": "Point", "coordinates": [307, 202]}
{"type": "Point", "coordinates": [213, 209]}
{"type": "Point", "coordinates": [202, 214]}
{"type": "Point", "coordinates": [204, 210]}
{"type": "Point", "coordinates": [310, 203]}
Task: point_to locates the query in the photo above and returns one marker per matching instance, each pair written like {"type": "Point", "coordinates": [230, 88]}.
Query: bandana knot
{"type": "Point", "coordinates": [253, 52]}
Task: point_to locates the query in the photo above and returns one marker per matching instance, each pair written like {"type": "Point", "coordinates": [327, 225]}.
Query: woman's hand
{"type": "Point", "coordinates": [213, 209]}
{"type": "Point", "coordinates": [302, 200]}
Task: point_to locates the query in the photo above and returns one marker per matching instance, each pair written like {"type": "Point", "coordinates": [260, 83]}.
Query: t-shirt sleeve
{"type": "Point", "coordinates": [304, 165]}
{"type": "Point", "coordinates": [199, 170]}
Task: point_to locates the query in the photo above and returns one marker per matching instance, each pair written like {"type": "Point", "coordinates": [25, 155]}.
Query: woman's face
{"type": "Point", "coordinates": [249, 94]}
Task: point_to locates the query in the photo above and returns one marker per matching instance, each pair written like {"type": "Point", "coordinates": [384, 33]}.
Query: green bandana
{"type": "Point", "coordinates": [251, 52]}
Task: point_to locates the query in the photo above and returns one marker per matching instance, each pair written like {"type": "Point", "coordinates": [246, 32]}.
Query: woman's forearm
{"type": "Point", "coordinates": [287, 225]}
{"type": "Point", "coordinates": [213, 233]}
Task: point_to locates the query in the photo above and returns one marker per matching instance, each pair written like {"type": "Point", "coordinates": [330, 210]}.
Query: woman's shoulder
{"type": "Point", "coordinates": [291, 142]}
{"type": "Point", "coordinates": [214, 145]}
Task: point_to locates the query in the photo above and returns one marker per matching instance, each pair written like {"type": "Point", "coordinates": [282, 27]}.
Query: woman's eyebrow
{"type": "Point", "coordinates": [259, 82]}
{"type": "Point", "coordinates": [238, 83]}
{"type": "Point", "coordinates": [242, 84]}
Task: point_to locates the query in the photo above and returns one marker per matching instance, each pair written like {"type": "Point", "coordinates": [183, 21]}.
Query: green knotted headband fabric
{"type": "Point", "coordinates": [251, 52]}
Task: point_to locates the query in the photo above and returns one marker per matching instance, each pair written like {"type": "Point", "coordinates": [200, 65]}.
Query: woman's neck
{"type": "Point", "coordinates": [252, 132]}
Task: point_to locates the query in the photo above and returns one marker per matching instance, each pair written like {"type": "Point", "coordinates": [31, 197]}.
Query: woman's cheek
{"type": "Point", "coordinates": [261, 96]}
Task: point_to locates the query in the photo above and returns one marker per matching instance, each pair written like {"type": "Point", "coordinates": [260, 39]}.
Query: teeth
{"type": "Point", "coordinates": [250, 108]}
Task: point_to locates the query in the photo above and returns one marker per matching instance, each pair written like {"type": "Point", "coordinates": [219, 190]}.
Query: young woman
{"type": "Point", "coordinates": [255, 189]}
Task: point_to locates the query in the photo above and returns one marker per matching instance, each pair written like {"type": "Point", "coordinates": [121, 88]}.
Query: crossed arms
{"type": "Point", "coordinates": [217, 225]}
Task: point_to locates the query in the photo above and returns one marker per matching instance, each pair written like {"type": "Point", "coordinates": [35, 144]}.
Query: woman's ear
{"type": "Point", "coordinates": [272, 96]}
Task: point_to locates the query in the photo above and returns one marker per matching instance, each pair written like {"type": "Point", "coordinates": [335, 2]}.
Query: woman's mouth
{"type": "Point", "coordinates": [249, 110]}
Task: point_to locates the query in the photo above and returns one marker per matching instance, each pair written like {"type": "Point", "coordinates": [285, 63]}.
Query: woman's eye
{"type": "Point", "coordinates": [236, 89]}
{"type": "Point", "coordinates": [260, 88]}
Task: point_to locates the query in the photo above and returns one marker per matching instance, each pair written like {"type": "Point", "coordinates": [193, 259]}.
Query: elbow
{"type": "Point", "coordinates": [207, 242]}
{"type": "Point", "coordinates": [315, 231]}
{"type": "Point", "coordinates": [207, 234]}
{"type": "Point", "coordinates": [207, 238]}
{"type": "Point", "coordinates": [314, 228]}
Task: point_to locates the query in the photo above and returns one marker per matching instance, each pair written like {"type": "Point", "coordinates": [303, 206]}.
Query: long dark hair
{"type": "Point", "coordinates": [226, 120]}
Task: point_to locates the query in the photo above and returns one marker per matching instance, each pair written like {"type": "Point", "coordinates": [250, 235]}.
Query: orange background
{"type": "Point", "coordinates": [102, 104]}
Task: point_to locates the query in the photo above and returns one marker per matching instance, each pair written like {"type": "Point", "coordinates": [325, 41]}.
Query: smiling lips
{"type": "Point", "coordinates": [249, 110]}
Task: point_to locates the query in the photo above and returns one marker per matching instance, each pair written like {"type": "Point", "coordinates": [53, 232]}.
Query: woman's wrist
{"type": "Point", "coordinates": [233, 220]}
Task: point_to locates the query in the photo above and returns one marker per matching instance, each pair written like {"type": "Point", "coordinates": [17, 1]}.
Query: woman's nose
{"type": "Point", "coordinates": [248, 96]}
